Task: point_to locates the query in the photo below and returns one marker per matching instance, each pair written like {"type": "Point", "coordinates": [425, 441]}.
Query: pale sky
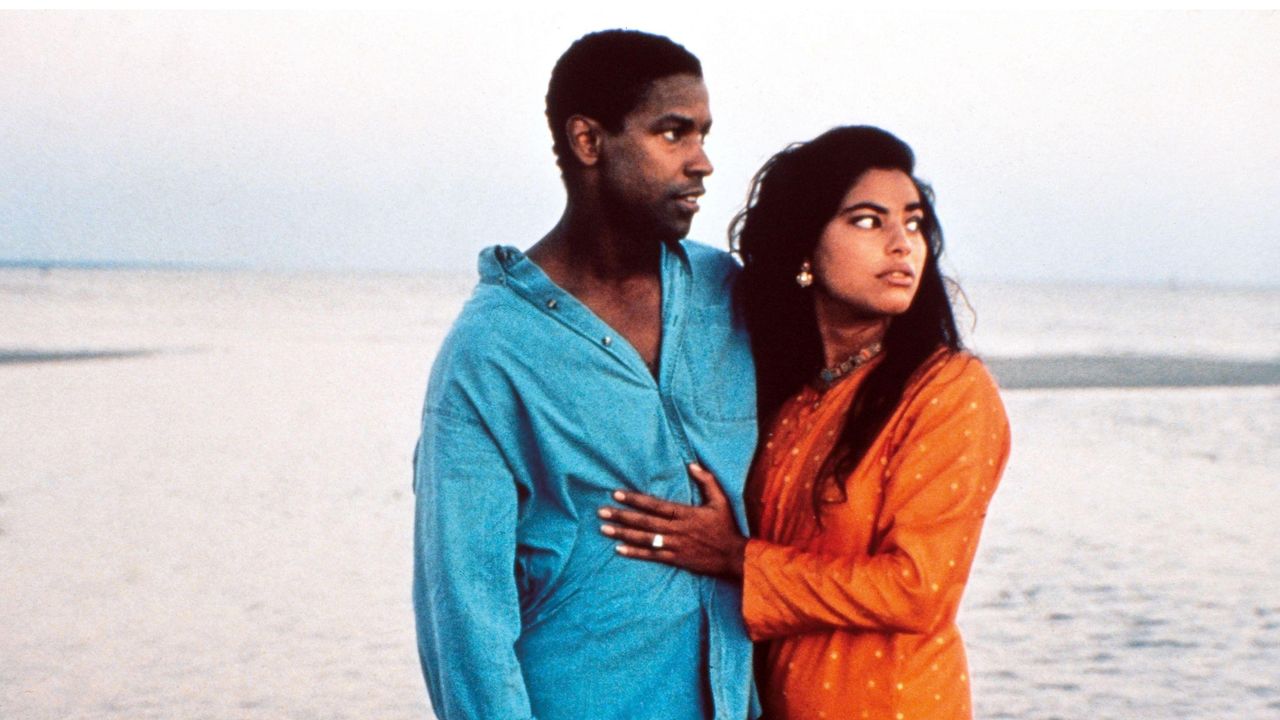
{"type": "Point", "coordinates": [1110, 147]}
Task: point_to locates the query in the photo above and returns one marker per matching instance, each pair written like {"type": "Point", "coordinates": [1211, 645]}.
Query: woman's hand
{"type": "Point", "coordinates": [704, 539]}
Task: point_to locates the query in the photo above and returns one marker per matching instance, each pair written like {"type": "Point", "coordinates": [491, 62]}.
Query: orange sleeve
{"type": "Point", "coordinates": [940, 475]}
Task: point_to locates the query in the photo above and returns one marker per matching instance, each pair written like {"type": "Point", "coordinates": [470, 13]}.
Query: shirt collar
{"type": "Point", "coordinates": [506, 265]}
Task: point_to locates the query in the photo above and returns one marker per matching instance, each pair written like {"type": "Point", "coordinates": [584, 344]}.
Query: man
{"type": "Point", "coordinates": [606, 358]}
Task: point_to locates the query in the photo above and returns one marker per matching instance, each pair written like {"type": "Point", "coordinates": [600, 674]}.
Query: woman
{"type": "Point", "coordinates": [883, 443]}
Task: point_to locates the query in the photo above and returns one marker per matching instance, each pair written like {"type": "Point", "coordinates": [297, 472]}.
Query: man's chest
{"type": "Point", "coordinates": [636, 316]}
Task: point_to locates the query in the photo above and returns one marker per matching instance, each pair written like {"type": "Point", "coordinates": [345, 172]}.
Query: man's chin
{"type": "Point", "coordinates": [678, 229]}
{"type": "Point", "coordinates": [667, 232]}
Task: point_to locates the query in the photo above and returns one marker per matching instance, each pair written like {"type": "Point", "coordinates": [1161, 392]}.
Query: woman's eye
{"type": "Point", "coordinates": [915, 224]}
{"type": "Point", "coordinates": [866, 222]}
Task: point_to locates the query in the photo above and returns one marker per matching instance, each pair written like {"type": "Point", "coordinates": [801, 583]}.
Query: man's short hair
{"type": "Point", "coordinates": [605, 75]}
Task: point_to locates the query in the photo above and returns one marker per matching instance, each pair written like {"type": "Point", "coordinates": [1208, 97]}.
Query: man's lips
{"type": "Point", "coordinates": [689, 199]}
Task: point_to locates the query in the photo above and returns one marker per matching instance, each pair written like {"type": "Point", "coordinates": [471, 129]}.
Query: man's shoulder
{"type": "Point", "coordinates": [714, 272]}
{"type": "Point", "coordinates": [470, 361]}
{"type": "Point", "coordinates": [708, 259]}
{"type": "Point", "coordinates": [488, 319]}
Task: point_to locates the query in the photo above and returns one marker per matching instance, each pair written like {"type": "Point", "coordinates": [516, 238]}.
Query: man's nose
{"type": "Point", "coordinates": [699, 165]}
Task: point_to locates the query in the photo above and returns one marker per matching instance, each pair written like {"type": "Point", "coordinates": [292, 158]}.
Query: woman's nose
{"type": "Point", "coordinates": [898, 244]}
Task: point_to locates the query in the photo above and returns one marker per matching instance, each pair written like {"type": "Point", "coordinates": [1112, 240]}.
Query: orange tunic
{"type": "Point", "coordinates": [859, 615]}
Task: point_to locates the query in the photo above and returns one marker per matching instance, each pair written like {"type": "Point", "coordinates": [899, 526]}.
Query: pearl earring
{"type": "Point", "coordinates": [805, 278]}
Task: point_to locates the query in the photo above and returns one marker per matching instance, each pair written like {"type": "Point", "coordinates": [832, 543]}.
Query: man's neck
{"type": "Point", "coordinates": [584, 249]}
{"type": "Point", "coordinates": [615, 275]}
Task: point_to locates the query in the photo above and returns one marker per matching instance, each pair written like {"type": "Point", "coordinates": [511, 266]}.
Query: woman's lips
{"type": "Point", "coordinates": [899, 277]}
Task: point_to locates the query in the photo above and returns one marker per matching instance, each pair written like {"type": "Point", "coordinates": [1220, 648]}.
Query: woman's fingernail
{"type": "Point", "coordinates": [622, 549]}
{"type": "Point", "coordinates": [619, 495]}
{"type": "Point", "coordinates": [607, 529]}
{"type": "Point", "coordinates": [604, 513]}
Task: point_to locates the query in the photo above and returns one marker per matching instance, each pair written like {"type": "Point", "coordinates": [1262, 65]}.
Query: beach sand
{"type": "Point", "coordinates": [217, 522]}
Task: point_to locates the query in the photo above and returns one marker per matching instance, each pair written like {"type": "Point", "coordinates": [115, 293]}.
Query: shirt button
{"type": "Point", "coordinates": [552, 304]}
{"type": "Point", "coordinates": [607, 340]}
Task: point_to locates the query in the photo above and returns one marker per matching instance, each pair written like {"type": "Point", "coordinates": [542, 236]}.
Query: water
{"type": "Point", "coordinates": [1199, 322]}
{"type": "Point", "coordinates": [1131, 558]}
{"type": "Point", "coordinates": [204, 506]}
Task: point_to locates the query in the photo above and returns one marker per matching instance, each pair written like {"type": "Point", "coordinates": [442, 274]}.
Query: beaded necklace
{"type": "Point", "coordinates": [829, 376]}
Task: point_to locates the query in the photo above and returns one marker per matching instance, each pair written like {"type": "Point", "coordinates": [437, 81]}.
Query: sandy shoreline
{"type": "Point", "coordinates": [1014, 373]}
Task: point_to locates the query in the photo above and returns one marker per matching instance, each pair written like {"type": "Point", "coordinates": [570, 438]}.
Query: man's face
{"type": "Point", "coordinates": [652, 169]}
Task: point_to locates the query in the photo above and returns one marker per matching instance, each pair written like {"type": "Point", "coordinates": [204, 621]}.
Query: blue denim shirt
{"type": "Point", "coordinates": [535, 412]}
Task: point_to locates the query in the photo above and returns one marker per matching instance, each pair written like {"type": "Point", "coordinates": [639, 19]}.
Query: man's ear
{"type": "Point", "coordinates": [585, 136]}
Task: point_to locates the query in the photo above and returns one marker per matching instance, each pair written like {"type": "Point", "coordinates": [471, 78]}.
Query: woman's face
{"type": "Point", "coordinates": [870, 255]}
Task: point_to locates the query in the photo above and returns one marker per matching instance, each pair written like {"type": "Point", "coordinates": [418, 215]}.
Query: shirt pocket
{"type": "Point", "coordinates": [714, 375]}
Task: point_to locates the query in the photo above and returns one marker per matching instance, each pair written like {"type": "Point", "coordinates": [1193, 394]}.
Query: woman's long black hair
{"type": "Point", "coordinates": [792, 198]}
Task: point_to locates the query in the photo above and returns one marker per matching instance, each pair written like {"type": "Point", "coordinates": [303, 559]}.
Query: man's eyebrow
{"type": "Point", "coordinates": [680, 122]}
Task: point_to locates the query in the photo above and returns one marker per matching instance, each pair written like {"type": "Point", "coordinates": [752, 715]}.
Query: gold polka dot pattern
{"type": "Point", "coordinates": [858, 612]}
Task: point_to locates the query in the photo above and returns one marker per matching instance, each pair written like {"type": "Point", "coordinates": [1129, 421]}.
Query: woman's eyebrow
{"type": "Point", "coordinates": [866, 206]}
{"type": "Point", "coordinates": [912, 207]}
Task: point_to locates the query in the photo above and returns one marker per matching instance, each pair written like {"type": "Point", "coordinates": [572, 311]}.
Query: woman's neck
{"type": "Point", "coordinates": [844, 333]}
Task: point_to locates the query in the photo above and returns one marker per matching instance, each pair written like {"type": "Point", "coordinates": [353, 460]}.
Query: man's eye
{"type": "Point", "coordinates": [915, 224]}
{"type": "Point", "coordinates": [670, 135]}
{"type": "Point", "coordinates": [866, 222]}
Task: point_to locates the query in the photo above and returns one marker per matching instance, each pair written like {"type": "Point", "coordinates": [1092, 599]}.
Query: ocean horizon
{"type": "Point", "coordinates": [51, 264]}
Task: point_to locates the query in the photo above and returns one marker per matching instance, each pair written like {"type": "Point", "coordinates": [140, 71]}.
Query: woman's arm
{"type": "Point", "coordinates": [940, 479]}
